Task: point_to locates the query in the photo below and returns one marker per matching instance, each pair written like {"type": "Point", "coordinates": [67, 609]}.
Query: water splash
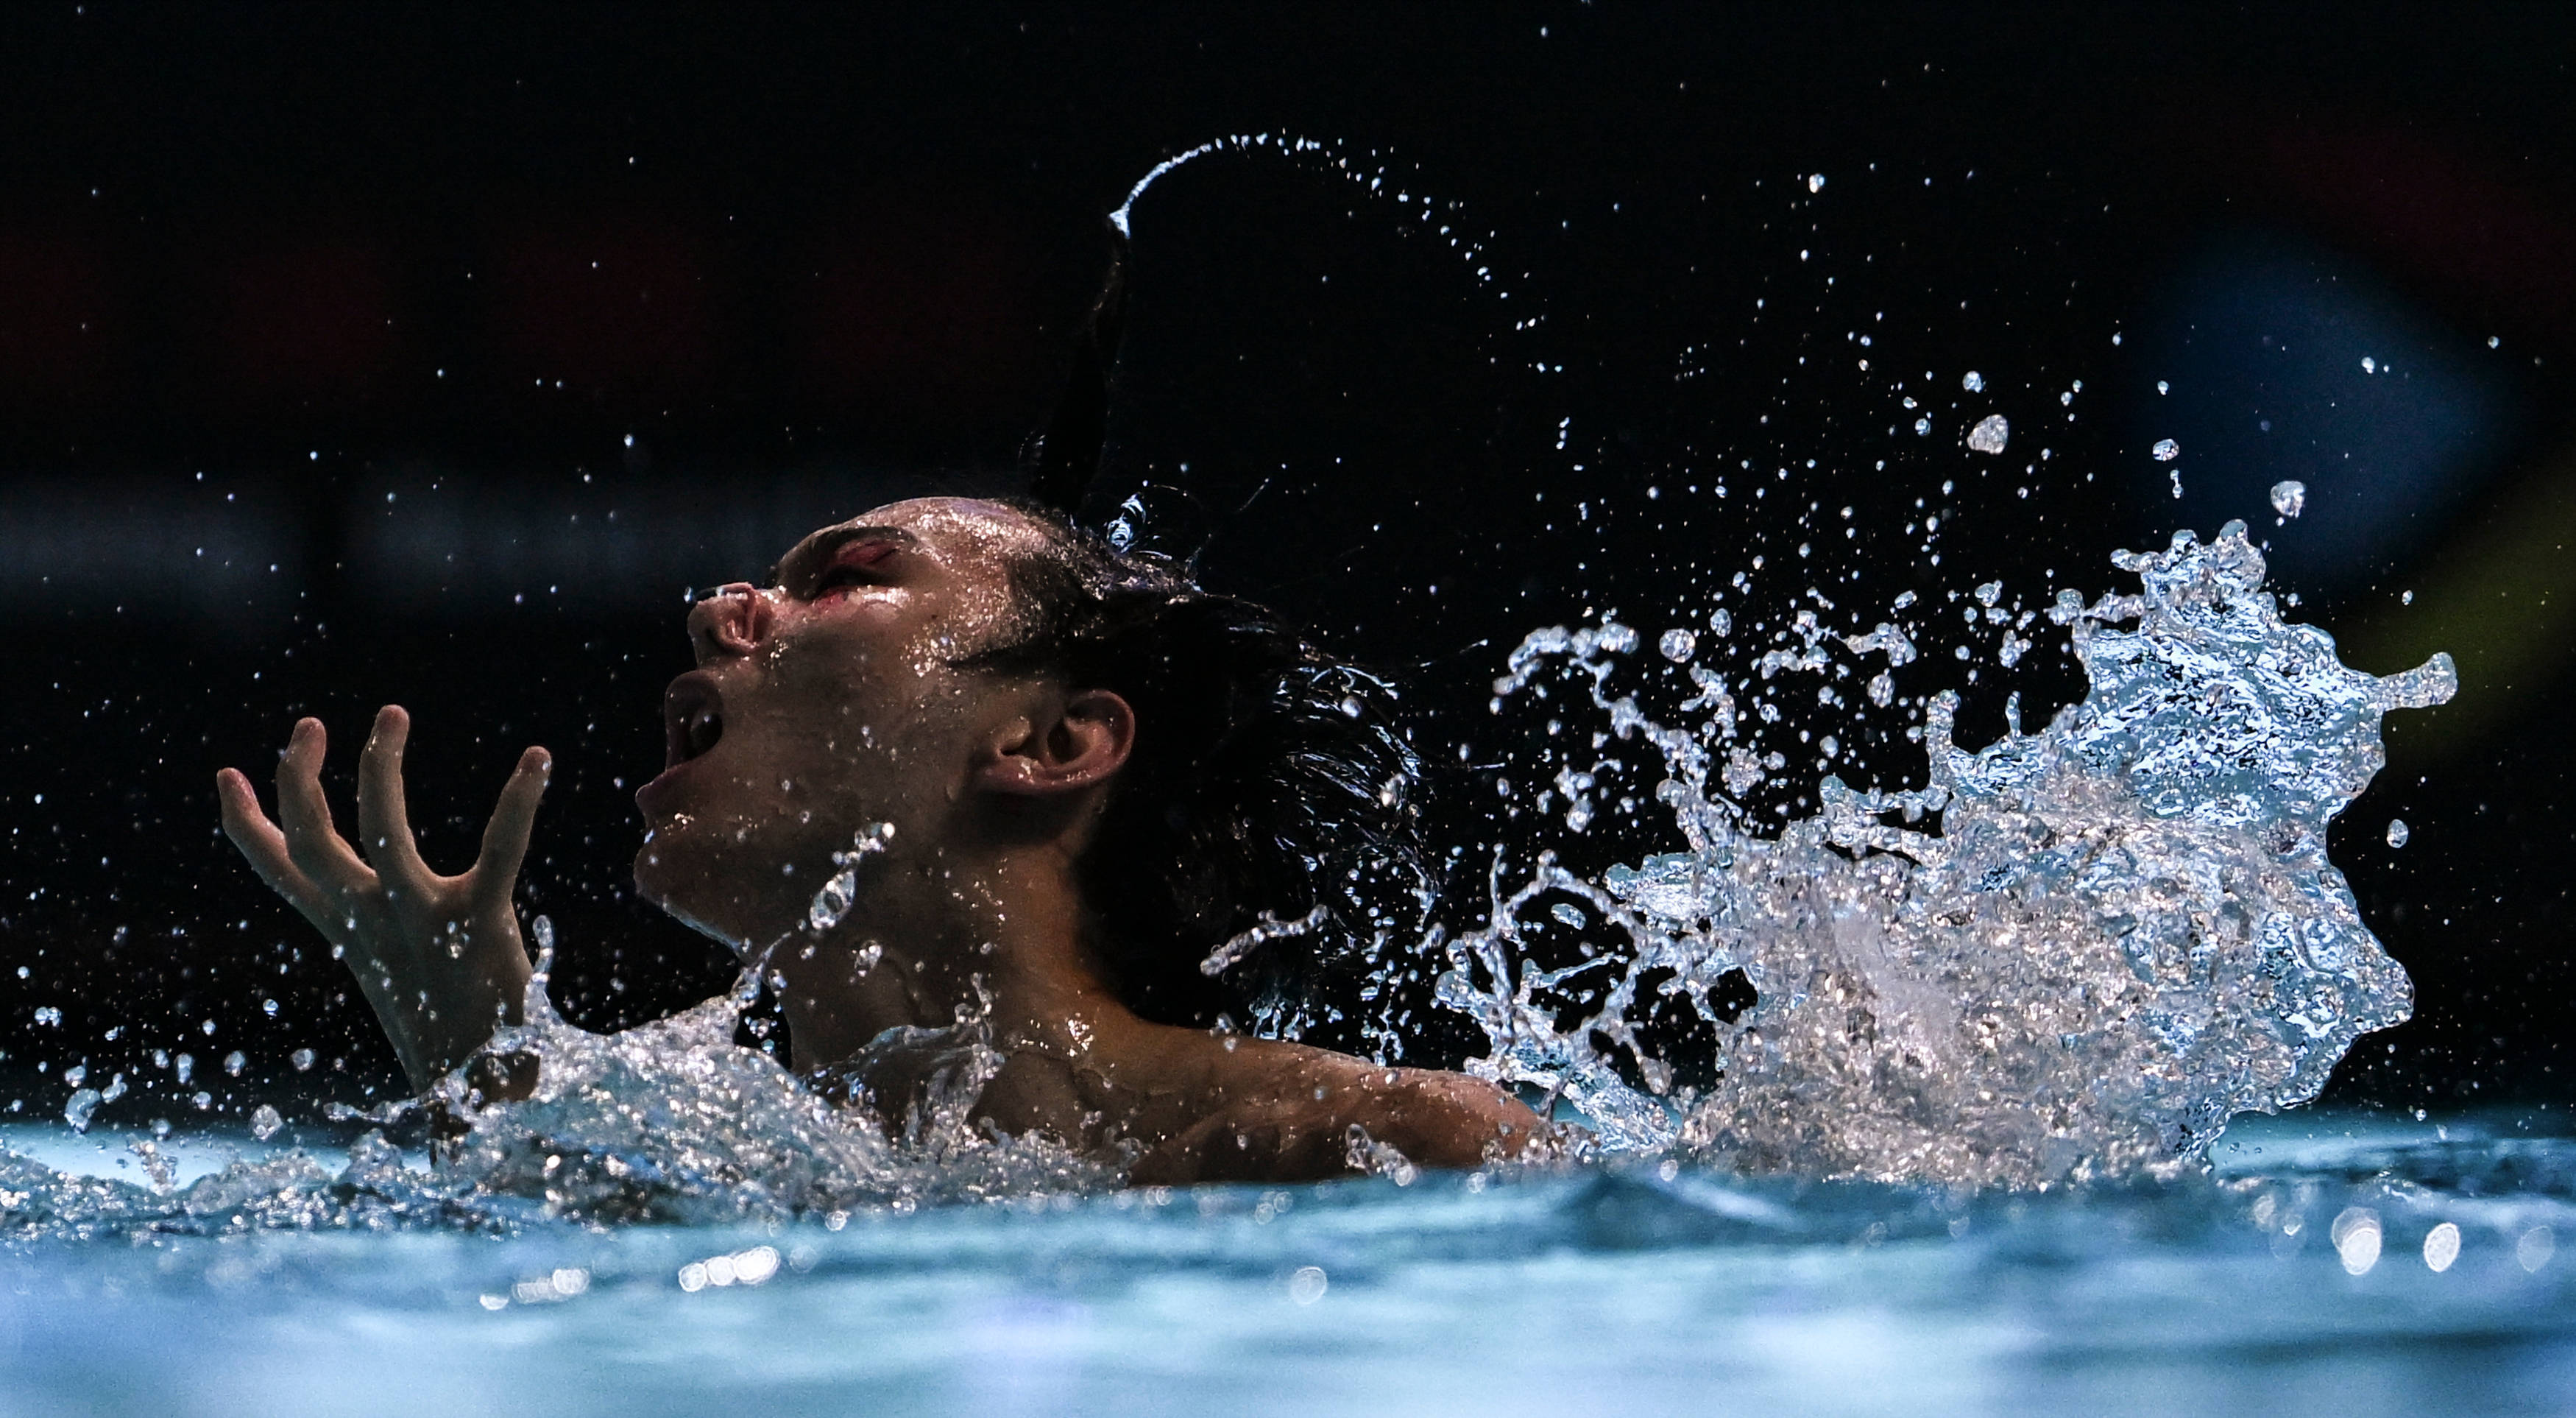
{"type": "Point", "coordinates": [834, 899]}
{"type": "Point", "coordinates": [2124, 930]}
{"type": "Point", "coordinates": [673, 1120]}
{"type": "Point", "coordinates": [670, 1121]}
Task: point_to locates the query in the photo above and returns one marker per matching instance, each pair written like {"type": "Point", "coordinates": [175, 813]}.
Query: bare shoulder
{"type": "Point", "coordinates": [1282, 1111]}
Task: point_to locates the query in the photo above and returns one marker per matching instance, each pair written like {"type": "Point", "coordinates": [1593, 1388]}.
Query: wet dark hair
{"type": "Point", "coordinates": [1269, 781]}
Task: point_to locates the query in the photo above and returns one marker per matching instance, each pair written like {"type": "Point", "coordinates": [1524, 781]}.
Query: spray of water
{"type": "Point", "coordinates": [2123, 930]}
{"type": "Point", "coordinates": [673, 1120]}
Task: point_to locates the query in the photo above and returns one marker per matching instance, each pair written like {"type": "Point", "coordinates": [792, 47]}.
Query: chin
{"type": "Point", "coordinates": [701, 885]}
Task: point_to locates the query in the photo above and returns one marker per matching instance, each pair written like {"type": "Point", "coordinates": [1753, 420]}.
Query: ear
{"type": "Point", "coordinates": [1064, 745]}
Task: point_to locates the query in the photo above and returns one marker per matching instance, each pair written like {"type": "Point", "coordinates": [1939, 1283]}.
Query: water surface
{"type": "Point", "coordinates": [1672, 1288]}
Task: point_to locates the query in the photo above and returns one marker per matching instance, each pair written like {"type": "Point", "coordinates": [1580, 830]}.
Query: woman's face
{"type": "Point", "coordinates": [824, 705]}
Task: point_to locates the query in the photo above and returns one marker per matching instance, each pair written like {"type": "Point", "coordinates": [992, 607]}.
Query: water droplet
{"type": "Point", "coordinates": [2369, 365]}
{"type": "Point", "coordinates": [1990, 434]}
{"type": "Point", "coordinates": [1922, 426]}
{"type": "Point", "coordinates": [2398, 832]}
{"type": "Point", "coordinates": [264, 1122]}
{"type": "Point", "coordinates": [1308, 1284]}
{"type": "Point", "coordinates": [234, 1063]}
{"type": "Point", "coordinates": [2441, 1247]}
{"type": "Point", "coordinates": [2355, 1234]}
{"type": "Point", "coordinates": [1815, 183]}
{"type": "Point", "coordinates": [2166, 450]}
{"type": "Point", "coordinates": [302, 1059]}
{"type": "Point", "coordinates": [78, 1110]}
{"type": "Point", "coordinates": [1678, 645]}
{"type": "Point", "coordinates": [1569, 913]}
{"type": "Point", "coordinates": [2163, 388]}
{"type": "Point", "coordinates": [2405, 598]}
{"type": "Point", "coordinates": [2535, 1248]}
{"type": "Point", "coordinates": [1973, 382]}
{"type": "Point", "coordinates": [2289, 497]}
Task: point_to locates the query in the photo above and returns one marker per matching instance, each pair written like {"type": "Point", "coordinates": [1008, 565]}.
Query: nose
{"type": "Point", "coordinates": [731, 622]}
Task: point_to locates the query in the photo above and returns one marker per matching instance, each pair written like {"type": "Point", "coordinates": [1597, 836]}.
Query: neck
{"type": "Point", "coordinates": [930, 942]}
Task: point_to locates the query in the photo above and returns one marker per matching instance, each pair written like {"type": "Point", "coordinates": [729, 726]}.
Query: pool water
{"type": "Point", "coordinates": [2294, 1278]}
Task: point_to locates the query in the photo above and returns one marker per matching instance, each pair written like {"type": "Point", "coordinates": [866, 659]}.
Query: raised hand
{"type": "Point", "coordinates": [439, 957]}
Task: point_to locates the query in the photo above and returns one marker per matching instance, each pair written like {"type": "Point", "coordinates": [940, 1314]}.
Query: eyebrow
{"type": "Point", "coordinates": [801, 560]}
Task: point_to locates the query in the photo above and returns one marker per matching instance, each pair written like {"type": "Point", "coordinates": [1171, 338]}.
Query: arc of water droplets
{"type": "Point", "coordinates": [1328, 157]}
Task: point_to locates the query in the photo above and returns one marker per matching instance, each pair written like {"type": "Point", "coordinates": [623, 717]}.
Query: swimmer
{"type": "Point", "coordinates": [1096, 773]}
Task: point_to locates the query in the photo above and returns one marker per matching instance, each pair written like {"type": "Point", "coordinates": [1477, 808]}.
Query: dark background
{"type": "Point", "coordinates": [352, 355]}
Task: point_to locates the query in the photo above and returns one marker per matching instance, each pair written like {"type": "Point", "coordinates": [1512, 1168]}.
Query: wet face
{"type": "Point", "coordinates": [825, 704]}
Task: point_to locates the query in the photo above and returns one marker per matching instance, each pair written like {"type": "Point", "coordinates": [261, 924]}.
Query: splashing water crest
{"type": "Point", "coordinates": [674, 1121]}
{"type": "Point", "coordinates": [671, 1121]}
{"type": "Point", "coordinates": [2125, 930]}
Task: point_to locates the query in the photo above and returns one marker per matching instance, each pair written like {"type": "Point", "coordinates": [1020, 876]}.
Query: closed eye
{"type": "Point", "coordinates": [853, 564]}
{"type": "Point", "coordinates": [841, 558]}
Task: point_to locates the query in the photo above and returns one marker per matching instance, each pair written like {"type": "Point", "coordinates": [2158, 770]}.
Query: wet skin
{"type": "Point", "coordinates": [821, 707]}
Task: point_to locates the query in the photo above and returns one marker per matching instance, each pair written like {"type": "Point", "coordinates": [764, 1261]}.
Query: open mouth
{"type": "Point", "coordinates": [692, 720]}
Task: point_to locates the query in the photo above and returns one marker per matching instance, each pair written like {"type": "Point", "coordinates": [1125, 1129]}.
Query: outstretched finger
{"type": "Point", "coordinates": [264, 847]}
{"type": "Point", "coordinates": [505, 839]}
{"type": "Point", "coordinates": [384, 822]}
{"type": "Point", "coordinates": [304, 815]}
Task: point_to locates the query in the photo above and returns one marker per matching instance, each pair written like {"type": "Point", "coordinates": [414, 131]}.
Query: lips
{"type": "Point", "coordinates": [692, 723]}
{"type": "Point", "coordinates": [692, 719]}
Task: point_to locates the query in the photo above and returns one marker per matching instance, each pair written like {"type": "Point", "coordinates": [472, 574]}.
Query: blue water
{"type": "Point", "coordinates": [1641, 1289]}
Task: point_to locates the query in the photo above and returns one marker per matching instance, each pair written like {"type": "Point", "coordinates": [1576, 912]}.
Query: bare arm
{"type": "Point", "coordinates": [438, 957]}
{"type": "Point", "coordinates": [1295, 1124]}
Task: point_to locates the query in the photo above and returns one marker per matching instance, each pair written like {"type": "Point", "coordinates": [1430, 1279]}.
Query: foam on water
{"type": "Point", "coordinates": [2123, 930]}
